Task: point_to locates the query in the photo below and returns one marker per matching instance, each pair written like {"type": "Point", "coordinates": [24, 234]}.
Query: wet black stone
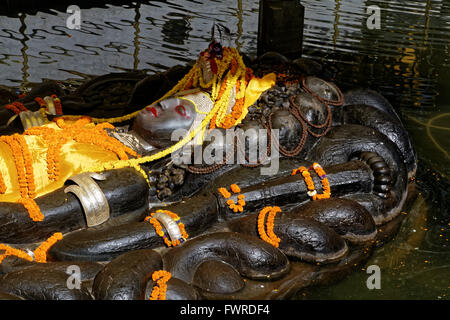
{"type": "Point", "coordinates": [176, 290]}
{"type": "Point", "coordinates": [42, 282]}
{"type": "Point", "coordinates": [348, 218]}
{"type": "Point", "coordinates": [252, 257]}
{"type": "Point", "coordinates": [125, 277]}
{"type": "Point", "coordinates": [301, 238]}
{"type": "Point", "coordinates": [217, 277]}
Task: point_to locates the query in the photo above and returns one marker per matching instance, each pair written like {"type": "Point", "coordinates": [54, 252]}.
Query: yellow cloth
{"type": "Point", "coordinates": [254, 89]}
{"type": "Point", "coordinates": [257, 86]}
{"type": "Point", "coordinates": [74, 158]}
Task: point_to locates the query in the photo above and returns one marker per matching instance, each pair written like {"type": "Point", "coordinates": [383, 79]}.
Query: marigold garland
{"type": "Point", "coordinates": [159, 229]}
{"type": "Point", "coordinates": [268, 236]}
{"type": "Point", "coordinates": [33, 209]}
{"type": "Point", "coordinates": [325, 183]}
{"type": "Point", "coordinates": [19, 163]}
{"type": "Point", "coordinates": [28, 164]}
{"type": "Point", "coordinates": [57, 102]}
{"type": "Point", "coordinates": [39, 254]}
{"type": "Point", "coordinates": [13, 108]}
{"type": "Point", "coordinates": [310, 183]}
{"type": "Point", "coordinates": [9, 251]}
{"type": "Point", "coordinates": [239, 207]}
{"type": "Point", "coordinates": [24, 168]}
{"type": "Point", "coordinates": [159, 290]}
{"type": "Point", "coordinates": [142, 172]}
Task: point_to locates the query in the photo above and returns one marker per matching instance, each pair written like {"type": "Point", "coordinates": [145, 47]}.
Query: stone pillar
{"type": "Point", "coordinates": [280, 27]}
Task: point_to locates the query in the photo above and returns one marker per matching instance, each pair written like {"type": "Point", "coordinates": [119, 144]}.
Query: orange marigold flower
{"type": "Point", "coordinates": [40, 254]}
{"type": "Point", "coordinates": [224, 192]}
{"type": "Point", "coordinates": [235, 188]}
{"type": "Point", "coordinates": [159, 290]}
{"type": "Point", "coordinates": [268, 236]}
{"type": "Point", "coordinates": [33, 209]}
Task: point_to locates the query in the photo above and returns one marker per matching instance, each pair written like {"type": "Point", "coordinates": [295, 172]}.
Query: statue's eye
{"type": "Point", "coordinates": [181, 110]}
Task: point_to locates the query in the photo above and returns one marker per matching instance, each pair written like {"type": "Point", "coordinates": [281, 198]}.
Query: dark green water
{"type": "Point", "coordinates": [407, 59]}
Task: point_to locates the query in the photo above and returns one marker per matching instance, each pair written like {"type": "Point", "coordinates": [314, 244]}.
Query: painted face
{"type": "Point", "coordinates": [157, 122]}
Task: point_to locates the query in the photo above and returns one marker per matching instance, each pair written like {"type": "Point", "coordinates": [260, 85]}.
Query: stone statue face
{"type": "Point", "coordinates": [157, 122]}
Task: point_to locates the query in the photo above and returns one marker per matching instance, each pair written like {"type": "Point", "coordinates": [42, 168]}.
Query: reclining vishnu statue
{"type": "Point", "coordinates": [106, 194]}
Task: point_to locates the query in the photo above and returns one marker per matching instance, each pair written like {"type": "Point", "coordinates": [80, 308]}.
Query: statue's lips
{"type": "Point", "coordinates": [152, 110]}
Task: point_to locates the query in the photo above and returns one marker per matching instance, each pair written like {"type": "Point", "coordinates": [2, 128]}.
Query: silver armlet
{"type": "Point", "coordinates": [93, 200]}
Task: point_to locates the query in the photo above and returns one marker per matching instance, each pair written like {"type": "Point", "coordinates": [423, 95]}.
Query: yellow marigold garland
{"type": "Point", "coordinates": [231, 61]}
{"type": "Point", "coordinates": [142, 172]}
{"type": "Point", "coordinates": [268, 236]}
{"type": "Point", "coordinates": [159, 290]}
{"type": "Point", "coordinates": [211, 119]}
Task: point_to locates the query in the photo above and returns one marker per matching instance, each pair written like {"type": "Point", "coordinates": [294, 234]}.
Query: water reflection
{"type": "Point", "coordinates": [176, 30]}
{"type": "Point", "coordinates": [408, 60]}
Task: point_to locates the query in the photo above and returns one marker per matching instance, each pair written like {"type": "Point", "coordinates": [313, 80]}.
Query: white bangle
{"type": "Point", "coordinates": [312, 193]}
